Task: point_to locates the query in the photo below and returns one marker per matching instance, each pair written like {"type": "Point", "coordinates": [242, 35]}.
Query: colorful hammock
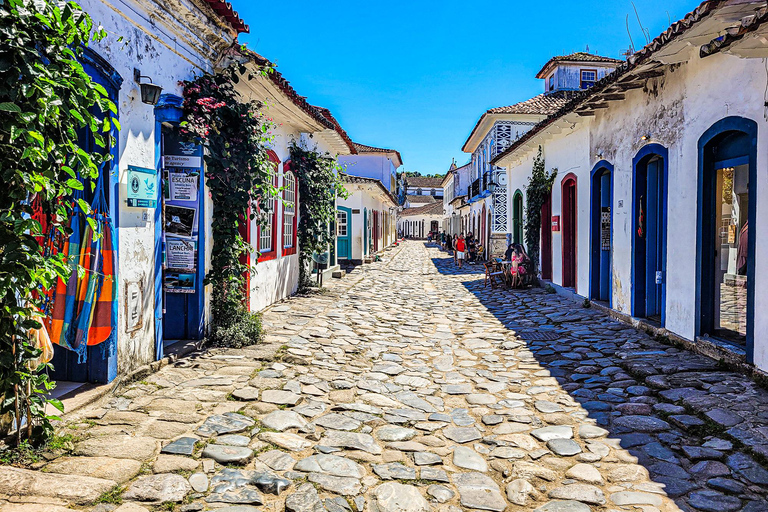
{"type": "Point", "coordinates": [85, 309]}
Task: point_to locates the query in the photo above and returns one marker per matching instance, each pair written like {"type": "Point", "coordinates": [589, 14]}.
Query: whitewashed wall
{"type": "Point", "coordinates": [167, 51]}
{"type": "Point", "coordinates": [361, 199]}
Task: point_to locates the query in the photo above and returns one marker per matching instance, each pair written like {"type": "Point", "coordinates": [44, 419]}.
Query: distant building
{"type": "Point", "coordinates": [423, 186]}
{"type": "Point", "coordinates": [419, 222]}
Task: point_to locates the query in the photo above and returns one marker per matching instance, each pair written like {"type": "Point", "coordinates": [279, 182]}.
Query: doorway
{"type": "Point", "coordinates": [546, 238]}
{"type": "Point", "coordinates": [650, 233]}
{"type": "Point", "coordinates": [727, 231]}
{"type": "Point", "coordinates": [601, 235]}
{"type": "Point", "coordinates": [570, 219]}
{"type": "Point", "coordinates": [344, 232]}
{"type": "Point", "coordinates": [517, 217]}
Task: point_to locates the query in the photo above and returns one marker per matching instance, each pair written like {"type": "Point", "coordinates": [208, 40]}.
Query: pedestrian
{"type": "Point", "coordinates": [454, 241]}
{"type": "Point", "coordinates": [461, 247]}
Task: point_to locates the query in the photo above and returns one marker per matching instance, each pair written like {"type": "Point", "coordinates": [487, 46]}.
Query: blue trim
{"type": "Point", "coordinates": [749, 128]}
{"type": "Point", "coordinates": [103, 69]}
{"type": "Point", "coordinates": [641, 158]}
{"type": "Point", "coordinates": [595, 205]}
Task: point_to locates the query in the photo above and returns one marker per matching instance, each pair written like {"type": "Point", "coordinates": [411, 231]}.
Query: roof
{"type": "Point", "coordinates": [461, 200]}
{"type": "Point", "coordinates": [424, 181]}
{"type": "Point", "coordinates": [576, 57]}
{"type": "Point", "coordinates": [319, 114]}
{"type": "Point", "coordinates": [226, 12]}
{"type": "Point", "coordinates": [336, 126]}
{"type": "Point", "coordinates": [427, 209]}
{"type": "Point", "coordinates": [543, 104]}
{"type": "Point", "coordinates": [621, 76]}
{"type": "Point", "coordinates": [362, 149]}
{"type": "Point", "coordinates": [419, 199]}
{"type": "Point", "coordinates": [369, 181]}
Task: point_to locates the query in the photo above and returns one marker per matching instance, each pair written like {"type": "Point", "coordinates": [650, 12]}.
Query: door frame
{"type": "Point", "coordinates": [748, 127]}
{"type": "Point", "coordinates": [595, 254]}
{"type": "Point", "coordinates": [569, 224]}
{"type": "Point", "coordinates": [642, 158]}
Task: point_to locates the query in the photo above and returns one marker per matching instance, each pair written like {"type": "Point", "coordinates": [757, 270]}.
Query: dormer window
{"type": "Point", "coordinates": [588, 78]}
{"type": "Point", "coordinates": [551, 83]}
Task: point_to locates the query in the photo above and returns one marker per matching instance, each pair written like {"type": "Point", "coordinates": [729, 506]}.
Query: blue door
{"type": "Point", "coordinates": [344, 232]}
{"type": "Point", "coordinates": [601, 219]}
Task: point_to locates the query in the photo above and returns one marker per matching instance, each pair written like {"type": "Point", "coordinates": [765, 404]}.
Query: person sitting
{"type": "Point", "coordinates": [508, 252]}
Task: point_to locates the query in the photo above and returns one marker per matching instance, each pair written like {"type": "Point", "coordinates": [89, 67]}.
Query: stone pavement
{"type": "Point", "coordinates": [409, 387]}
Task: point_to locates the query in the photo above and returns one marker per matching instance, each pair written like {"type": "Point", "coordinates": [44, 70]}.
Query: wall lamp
{"type": "Point", "coordinates": [150, 93]}
{"type": "Point", "coordinates": [647, 136]}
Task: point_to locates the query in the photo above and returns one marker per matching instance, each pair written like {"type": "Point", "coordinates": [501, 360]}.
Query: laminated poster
{"type": "Point", "coordinates": [179, 221]}
{"type": "Point", "coordinates": [180, 254]}
{"type": "Point", "coordinates": [183, 185]}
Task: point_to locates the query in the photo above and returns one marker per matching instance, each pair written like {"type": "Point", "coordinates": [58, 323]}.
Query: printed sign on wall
{"type": "Point", "coordinates": [142, 189]}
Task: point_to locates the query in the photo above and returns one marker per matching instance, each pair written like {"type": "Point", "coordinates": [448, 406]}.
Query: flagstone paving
{"type": "Point", "coordinates": [409, 387]}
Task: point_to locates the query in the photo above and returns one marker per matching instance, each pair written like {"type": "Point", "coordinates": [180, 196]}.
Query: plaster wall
{"type": "Point", "coordinates": [362, 200]}
{"type": "Point", "coordinates": [378, 167]}
{"type": "Point", "coordinates": [167, 50]}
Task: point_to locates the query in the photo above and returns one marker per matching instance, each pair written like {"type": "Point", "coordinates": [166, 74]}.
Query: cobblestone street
{"type": "Point", "coordinates": [406, 387]}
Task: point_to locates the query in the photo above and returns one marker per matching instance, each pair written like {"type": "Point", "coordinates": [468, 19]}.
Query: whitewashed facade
{"type": "Point", "coordinates": [658, 182]}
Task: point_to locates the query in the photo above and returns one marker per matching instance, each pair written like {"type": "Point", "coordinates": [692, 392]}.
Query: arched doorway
{"type": "Point", "coordinates": [569, 219]}
{"type": "Point", "coordinates": [649, 226]}
{"type": "Point", "coordinates": [546, 238]}
{"type": "Point", "coordinates": [517, 217]}
{"type": "Point", "coordinates": [601, 233]}
{"type": "Point", "coordinates": [727, 231]}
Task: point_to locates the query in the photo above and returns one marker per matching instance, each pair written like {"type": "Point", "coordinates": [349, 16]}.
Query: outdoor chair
{"type": "Point", "coordinates": [491, 274]}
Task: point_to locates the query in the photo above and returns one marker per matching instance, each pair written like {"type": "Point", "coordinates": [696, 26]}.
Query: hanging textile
{"type": "Point", "coordinates": [64, 301]}
{"type": "Point", "coordinates": [104, 317]}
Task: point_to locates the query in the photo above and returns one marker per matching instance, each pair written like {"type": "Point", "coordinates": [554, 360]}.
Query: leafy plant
{"type": "Point", "coordinates": [319, 183]}
{"type": "Point", "coordinates": [239, 174]}
{"type": "Point", "coordinates": [45, 98]}
{"type": "Point", "coordinates": [536, 194]}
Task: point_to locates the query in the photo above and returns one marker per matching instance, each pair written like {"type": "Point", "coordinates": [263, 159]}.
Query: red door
{"type": "Point", "coordinates": [569, 231]}
{"type": "Point", "coordinates": [546, 238]}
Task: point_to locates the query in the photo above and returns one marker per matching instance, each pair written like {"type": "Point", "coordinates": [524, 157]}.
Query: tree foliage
{"type": "Point", "coordinates": [45, 98]}
{"type": "Point", "coordinates": [536, 194]}
{"type": "Point", "coordinates": [319, 183]}
{"type": "Point", "coordinates": [238, 173]}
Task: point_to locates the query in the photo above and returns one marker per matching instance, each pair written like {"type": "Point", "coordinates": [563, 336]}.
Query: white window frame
{"type": "Point", "coordinates": [341, 214]}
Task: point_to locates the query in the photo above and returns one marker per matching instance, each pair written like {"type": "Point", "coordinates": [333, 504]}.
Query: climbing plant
{"type": "Point", "coordinates": [235, 134]}
{"type": "Point", "coordinates": [536, 194]}
{"type": "Point", "coordinates": [45, 98]}
{"type": "Point", "coordinates": [319, 178]}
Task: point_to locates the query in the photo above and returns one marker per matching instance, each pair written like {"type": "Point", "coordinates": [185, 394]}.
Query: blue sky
{"type": "Point", "coordinates": [415, 76]}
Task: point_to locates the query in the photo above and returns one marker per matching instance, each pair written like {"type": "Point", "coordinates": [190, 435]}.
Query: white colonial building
{"type": "Point", "coordinates": [490, 202]}
{"type": "Point", "coordinates": [655, 211]}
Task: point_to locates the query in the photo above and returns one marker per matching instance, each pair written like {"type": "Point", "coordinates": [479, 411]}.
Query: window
{"type": "Point", "coordinates": [267, 230]}
{"type": "Point", "coordinates": [418, 191]}
{"type": "Point", "coordinates": [551, 83]}
{"type": "Point", "coordinates": [588, 78]}
{"type": "Point", "coordinates": [289, 210]}
{"type": "Point", "coordinates": [341, 223]}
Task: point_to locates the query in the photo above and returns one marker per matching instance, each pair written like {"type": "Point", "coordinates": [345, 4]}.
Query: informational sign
{"type": "Point", "coordinates": [605, 228]}
{"type": "Point", "coordinates": [178, 153]}
{"type": "Point", "coordinates": [179, 282]}
{"type": "Point", "coordinates": [142, 187]}
{"type": "Point", "coordinates": [180, 221]}
{"type": "Point", "coordinates": [180, 254]}
{"type": "Point", "coordinates": [183, 186]}
{"type": "Point", "coordinates": [556, 223]}
{"type": "Point", "coordinates": [182, 161]}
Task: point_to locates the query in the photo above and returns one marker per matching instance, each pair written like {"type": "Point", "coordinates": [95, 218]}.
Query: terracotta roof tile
{"type": "Point", "coordinates": [429, 209]}
{"type": "Point", "coordinates": [336, 126]}
{"type": "Point", "coordinates": [424, 182]}
{"type": "Point", "coordinates": [577, 57]}
{"type": "Point", "coordinates": [362, 148]}
{"type": "Point", "coordinates": [225, 10]}
{"type": "Point", "coordinates": [543, 104]}
{"type": "Point", "coordinates": [369, 181]}
{"type": "Point", "coordinates": [419, 199]}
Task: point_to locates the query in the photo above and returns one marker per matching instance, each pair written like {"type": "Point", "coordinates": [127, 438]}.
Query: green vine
{"type": "Point", "coordinates": [235, 134]}
{"type": "Point", "coordinates": [536, 194]}
{"type": "Point", "coordinates": [45, 98]}
{"type": "Point", "coordinates": [319, 183]}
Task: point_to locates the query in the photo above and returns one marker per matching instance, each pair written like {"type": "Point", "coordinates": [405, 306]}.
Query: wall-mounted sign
{"type": "Point", "coordinates": [142, 187]}
{"type": "Point", "coordinates": [178, 153]}
{"type": "Point", "coordinates": [180, 254]}
{"type": "Point", "coordinates": [183, 186]}
{"type": "Point", "coordinates": [179, 282]}
{"type": "Point", "coordinates": [179, 221]}
{"type": "Point", "coordinates": [555, 223]}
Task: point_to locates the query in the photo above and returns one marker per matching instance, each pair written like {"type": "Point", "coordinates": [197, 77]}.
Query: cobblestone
{"type": "Point", "coordinates": [409, 372]}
